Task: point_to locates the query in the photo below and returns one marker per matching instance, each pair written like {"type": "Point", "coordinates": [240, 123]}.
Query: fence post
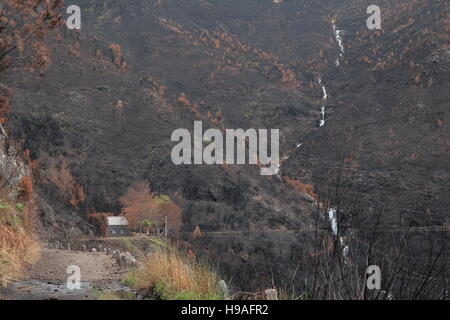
{"type": "Point", "coordinates": [166, 228]}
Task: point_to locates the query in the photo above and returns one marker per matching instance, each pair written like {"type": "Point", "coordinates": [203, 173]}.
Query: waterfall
{"type": "Point", "coordinates": [332, 216]}
{"type": "Point", "coordinates": [337, 35]}
{"type": "Point", "coordinates": [322, 121]}
{"type": "Point", "coordinates": [333, 220]}
{"type": "Point", "coordinates": [325, 95]}
{"type": "Point", "coordinates": [324, 100]}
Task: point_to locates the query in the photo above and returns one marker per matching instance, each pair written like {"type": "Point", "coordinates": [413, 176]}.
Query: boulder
{"type": "Point", "coordinates": [116, 256]}
{"type": "Point", "coordinates": [123, 260]}
{"type": "Point", "coordinates": [132, 262]}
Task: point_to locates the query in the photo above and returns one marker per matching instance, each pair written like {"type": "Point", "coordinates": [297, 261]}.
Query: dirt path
{"type": "Point", "coordinates": [47, 279]}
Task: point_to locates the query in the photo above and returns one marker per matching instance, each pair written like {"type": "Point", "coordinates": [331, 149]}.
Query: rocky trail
{"type": "Point", "coordinates": [47, 279]}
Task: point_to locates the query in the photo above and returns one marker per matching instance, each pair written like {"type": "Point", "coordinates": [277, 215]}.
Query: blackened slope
{"type": "Point", "coordinates": [390, 102]}
{"type": "Point", "coordinates": [113, 122]}
{"type": "Point", "coordinates": [239, 64]}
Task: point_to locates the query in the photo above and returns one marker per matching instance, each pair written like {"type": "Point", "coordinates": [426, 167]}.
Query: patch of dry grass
{"type": "Point", "coordinates": [175, 276]}
{"type": "Point", "coordinates": [18, 247]}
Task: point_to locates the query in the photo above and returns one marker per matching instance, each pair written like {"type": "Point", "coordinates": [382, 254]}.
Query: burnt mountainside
{"type": "Point", "coordinates": [140, 69]}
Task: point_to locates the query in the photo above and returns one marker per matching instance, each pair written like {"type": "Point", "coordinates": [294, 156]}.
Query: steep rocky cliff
{"type": "Point", "coordinates": [12, 168]}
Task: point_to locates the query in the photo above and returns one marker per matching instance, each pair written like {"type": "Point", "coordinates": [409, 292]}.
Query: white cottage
{"type": "Point", "coordinates": [117, 227]}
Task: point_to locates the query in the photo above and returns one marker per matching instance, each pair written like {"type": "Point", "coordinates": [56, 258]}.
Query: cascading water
{"type": "Point", "coordinates": [325, 95]}
{"type": "Point", "coordinates": [337, 34]}
{"type": "Point", "coordinates": [333, 220]}
{"type": "Point", "coordinates": [332, 212]}
{"type": "Point", "coordinates": [322, 121]}
{"type": "Point", "coordinates": [332, 215]}
{"type": "Point", "coordinates": [324, 101]}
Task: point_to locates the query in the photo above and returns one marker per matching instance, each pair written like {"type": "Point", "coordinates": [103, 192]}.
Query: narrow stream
{"type": "Point", "coordinates": [337, 34]}
{"type": "Point", "coordinates": [340, 42]}
{"type": "Point", "coordinates": [34, 289]}
{"type": "Point", "coordinates": [324, 101]}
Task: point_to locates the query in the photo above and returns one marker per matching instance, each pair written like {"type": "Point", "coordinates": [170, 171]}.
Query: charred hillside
{"type": "Point", "coordinates": [388, 111]}
{"type": "Point", "coordinates": [103, 113]}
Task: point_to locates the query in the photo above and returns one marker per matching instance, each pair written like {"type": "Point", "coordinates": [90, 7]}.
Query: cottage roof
{"type": "Point", "coordinates": [117, 221]}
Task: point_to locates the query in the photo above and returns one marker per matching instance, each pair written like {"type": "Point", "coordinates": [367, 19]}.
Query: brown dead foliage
{"type": "Point", "coordinates": [68, 189]}
{"type": "Point", "coordinates": [301, 187]}
{"type": "Point", "coordinates": [117, 54]}
{"type": "Point", "coordinates": [100, 222]}
{"type": "Point", "coordinates": [140, 203]}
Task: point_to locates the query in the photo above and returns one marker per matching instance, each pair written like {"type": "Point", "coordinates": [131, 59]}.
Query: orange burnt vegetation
{"type": "Point", "coordinates": [100, 222]}
{"type": "Point", "coordinates": [301, 187]}
{"type": "Point", "coordinates": [117, 57]}
{"type": "Point", "coordinates": [34, 168]}
{"type": "Point", "coordinates": [117, 54]}
{"type": "Point", "coordinates": [158, 92]}
{"type": "Point", "coordinates": [5, 105]}
{"type": "Point", "coordinates": [140, 204]}
{"type": "Point", "coordinates": [184, 100]}
{"type": "Point", "coordinates": [26, 184]}
{"type": "Point", "coordinates": [23, 27]}
{"type": "Point", "coordinates": [23, 24]}
{"type": "Point", "coordinates": [232, 50]}
{"type": "Point", "coordinates": [398, 18]}
{"type": "Point", "coordinates": [214, 118]}
{"type": "Point", "coordinates": [68, 189]}
{"type": "Point", "coordinates": [197, 233]}
{"type": "Point", "coordinates": [193, 107]}
{"type": "Point", "coordinates": [174, 27]}
{"type": "Point", "coordinates": [18, 244]}
{"type": "Point", "coordinates": [288, 78]}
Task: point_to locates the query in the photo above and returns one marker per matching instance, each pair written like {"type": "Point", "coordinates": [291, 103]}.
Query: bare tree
{"type": "Point", "coordinates": [347, 238]}
{"type": "Point", "coordinates": [23, 26]}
